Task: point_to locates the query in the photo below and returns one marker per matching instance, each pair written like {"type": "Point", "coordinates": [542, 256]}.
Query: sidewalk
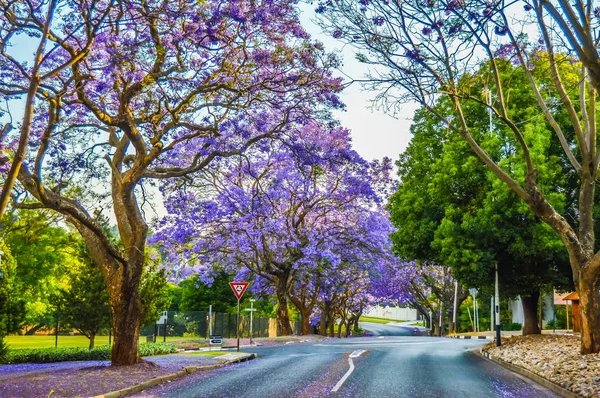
{"type": "Point", "coordinates": [89, 378]}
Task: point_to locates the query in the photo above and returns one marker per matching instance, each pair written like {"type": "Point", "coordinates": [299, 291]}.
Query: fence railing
{"type": "Point", "coordinates": [196, 324]}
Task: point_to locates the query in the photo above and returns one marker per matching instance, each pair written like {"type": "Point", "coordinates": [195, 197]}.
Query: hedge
{"type": "Point", "coordinates": [60, 354]}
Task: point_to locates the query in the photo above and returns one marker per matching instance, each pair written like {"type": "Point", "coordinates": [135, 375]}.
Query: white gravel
{"type": "Point", "coordinates": [554, 357]}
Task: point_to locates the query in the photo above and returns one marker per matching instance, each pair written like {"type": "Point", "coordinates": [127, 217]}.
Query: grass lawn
{"type": "Point", "coordinates": [422, 324]}
{"type": "Point", "coordinates": [16, 342]}
{"type": "Point", "coordinates": [378, 320]}
{"type": "Point", "coordinates": [205, 353]}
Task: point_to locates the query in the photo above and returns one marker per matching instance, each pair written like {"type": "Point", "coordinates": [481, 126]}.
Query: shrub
{"type": "Point", "coordinates": [3, 350]}
{"type": "Point", "coordinates": [60, 354]}
{"type": "Point", "coordinates": [512, 326]}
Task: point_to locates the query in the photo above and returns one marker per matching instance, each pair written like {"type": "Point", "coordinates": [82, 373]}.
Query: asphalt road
{"type": "Point", "coordinates": [393, 364]}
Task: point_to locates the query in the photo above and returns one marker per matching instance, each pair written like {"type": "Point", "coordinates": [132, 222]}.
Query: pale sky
{"type": "Point", "coordinates": [374, 133]}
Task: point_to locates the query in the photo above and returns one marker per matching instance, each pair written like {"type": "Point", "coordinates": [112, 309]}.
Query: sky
{"type": "Point", "coordinates": [374, 133]}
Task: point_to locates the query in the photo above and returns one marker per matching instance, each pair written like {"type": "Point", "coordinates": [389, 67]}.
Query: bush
{"type": "Point", "coordinates": [60, 354]}
{"type": "Point", "coordinates": [3, 350]}
{"type": "Point", "coordinates": [512, 326]}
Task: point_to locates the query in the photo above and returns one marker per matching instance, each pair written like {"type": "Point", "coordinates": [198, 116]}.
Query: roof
{"type": "Point", "coordinates": [571, 296]}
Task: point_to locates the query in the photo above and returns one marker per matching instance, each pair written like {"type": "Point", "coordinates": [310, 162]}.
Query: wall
{"type": "Point", "coordinates": [397, 313]}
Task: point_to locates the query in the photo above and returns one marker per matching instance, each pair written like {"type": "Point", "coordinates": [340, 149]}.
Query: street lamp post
{"type": "Point", "coordinates": [473, 292]}
{"type": "Point", "coordinates": [497, 310]}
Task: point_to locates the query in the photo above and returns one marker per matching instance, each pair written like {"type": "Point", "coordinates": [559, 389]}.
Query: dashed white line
{"type": "Point", "coordinates": [355, 354]}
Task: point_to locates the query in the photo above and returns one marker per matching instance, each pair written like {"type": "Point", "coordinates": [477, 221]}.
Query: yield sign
{"type": "Point", "coordinates": [239, 288]}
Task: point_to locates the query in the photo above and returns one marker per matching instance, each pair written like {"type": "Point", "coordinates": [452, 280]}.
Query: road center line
{"type": "Point", "coordinates": [355, 354]}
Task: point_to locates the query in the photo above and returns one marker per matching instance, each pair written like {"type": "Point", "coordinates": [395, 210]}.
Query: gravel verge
{"type": "Point", "coordinates": [555, 358]}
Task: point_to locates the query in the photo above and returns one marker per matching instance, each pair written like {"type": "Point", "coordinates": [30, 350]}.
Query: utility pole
{"type": "Point", "coordinates": [441, 318]}
{"type": "Point", "coordinates": [491, 313]}
{"type": "Point", "coordinates": [251, 311]}
{"type": "Point", "coordinates": [209, 326]}
{"type": "Point", "coordinates": [473, 292]}
{"type": "Point", "coordinates": [497, 311]}
{"type": "Point", "coordinates": [454, 309]}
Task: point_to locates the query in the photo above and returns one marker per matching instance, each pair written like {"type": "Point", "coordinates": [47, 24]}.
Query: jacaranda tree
{"type": "Point", "coordinates": [420, 50]}
{"type": "Point", "coordinates": [288, 213]}
{"type": "Point", "coordinates": [134, 91]}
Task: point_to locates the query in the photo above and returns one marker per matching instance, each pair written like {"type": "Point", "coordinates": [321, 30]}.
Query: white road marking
{"type": "Point", "coordinates": [301, 355]}
{"type": "Point", "coordinates": [355, 354]}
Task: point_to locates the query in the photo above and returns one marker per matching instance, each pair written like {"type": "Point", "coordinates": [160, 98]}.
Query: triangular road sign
{"type": "Point", "coordinates": [239, 288]}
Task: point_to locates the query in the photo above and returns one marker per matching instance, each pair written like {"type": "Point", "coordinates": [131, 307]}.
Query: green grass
{"type": "Point", "coordinates": [373, 319]}
{"type": "Point", "coordinates": [422, 324]}
{"type": "Point", "coordinates": [19, 342]}
{"type": "Point", "coordinates": [205, 353]}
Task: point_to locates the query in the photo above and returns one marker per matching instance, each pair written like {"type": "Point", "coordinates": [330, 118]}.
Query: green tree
{"type": "Point", "coordinates": [44, 252]}
{"type": "Point", "coordinates": [197, 296]}
{"type": "Point", "coordinates": [84, 305]}
{"type": "Point", "coordinates": [12, 306]}
{"type": "Point", "coordinates": [452, 210]}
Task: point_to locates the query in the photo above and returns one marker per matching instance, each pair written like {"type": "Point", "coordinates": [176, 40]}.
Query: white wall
{"type": "Point", "coordinates": [397, 313]}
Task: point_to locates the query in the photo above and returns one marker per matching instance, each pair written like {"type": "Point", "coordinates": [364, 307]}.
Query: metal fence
{"type": "Point", "coordinates": [196, 324]}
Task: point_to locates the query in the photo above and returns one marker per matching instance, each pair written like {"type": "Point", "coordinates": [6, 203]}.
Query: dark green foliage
{"type": "Point", "coordinates": [197, 296]}
{"type": "Point", "coordinates": [61, 354]}
{"type": "Point", "coordinates": [451, 210]}
{"type": "Point", "coordinates": [154, 291]}
{"type": "Point", "coordinates": [12, 306]}
{"type": "Point", "coordinates": [512, 326]}
{"type": "Point", "coordinates": [3, 350]}
{"type": "Point", "coordinates": [42, 250]}
{"type": "Point", "coordinates": [84, 306]}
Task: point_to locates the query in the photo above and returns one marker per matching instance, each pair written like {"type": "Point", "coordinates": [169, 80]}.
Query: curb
{"type": "Point", "coordinates": [530, 375]}
{"type": "Point", "coordinates": [158, 380]}
{"type": "Point", "coordinates": [472, 337]}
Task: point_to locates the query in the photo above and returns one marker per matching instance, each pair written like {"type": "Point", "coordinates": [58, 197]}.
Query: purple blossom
{"type": "Point", "coordinates": [501, 30]}
{"type": "Point", "coordinates": [378, 21]}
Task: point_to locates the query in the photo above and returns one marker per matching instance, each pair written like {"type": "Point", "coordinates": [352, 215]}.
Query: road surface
{"type": "Point", "coordinates": [392, 364]}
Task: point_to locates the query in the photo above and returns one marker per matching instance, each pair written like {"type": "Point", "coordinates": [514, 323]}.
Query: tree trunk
{"type": "Point", "coordinates": [342, 322]}
{"type": "Point", "coordinates": [356, 323]}
{"type": "Point", "coordinates": [530, 305]}
{"type": "Point", "coordinates": [283, 318]}
{"type": "Point", "coordinates": [332, 326]}
{"type": "Point", "coordinates": [323, 320]}
{"type": "Point", "coordinates": [590, 315]}
{"type": "Point", "coordinates": [306, 322]}
{"type": "Point", "coordinates": [92, 337]}
{"type": "Point", "coordinates": [127, 316]}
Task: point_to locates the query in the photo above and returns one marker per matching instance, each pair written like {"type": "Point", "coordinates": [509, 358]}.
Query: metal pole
{"type": "Point", "coordinates": [237, 327]}
{"type": "Point", "coordinates": [491, 313]}
{"type": "Point", "coordinates": [477, 307]}
{"type": "Point", "coordinates": [165, 337]}
{"type": "Point", "coordinates": [553, 314]}
{"type": "Point", "coordinates": [497, 310]}
{"type": "Point", "coordinates": [209, 326]}
{"type": "Point", "coordinates": [454, 309]}
{"type": "Point", "coordinates": [441, 318]}
{"type": "Point", "coordinates": [251, 308]}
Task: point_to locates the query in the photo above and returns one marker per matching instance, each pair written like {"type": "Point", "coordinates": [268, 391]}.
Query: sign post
{"type": "Point", "coordinates": [239, 288]}
{"type": "Point", "coordinates": [251, 309]}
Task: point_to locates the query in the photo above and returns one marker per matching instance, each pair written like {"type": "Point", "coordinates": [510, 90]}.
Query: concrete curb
{"type": "Point", "coordinates": [472, 337]}
{"type": "Point", "coordinates": [530, 375]}
{"type": "Point", "coordinates": [158, 380]}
